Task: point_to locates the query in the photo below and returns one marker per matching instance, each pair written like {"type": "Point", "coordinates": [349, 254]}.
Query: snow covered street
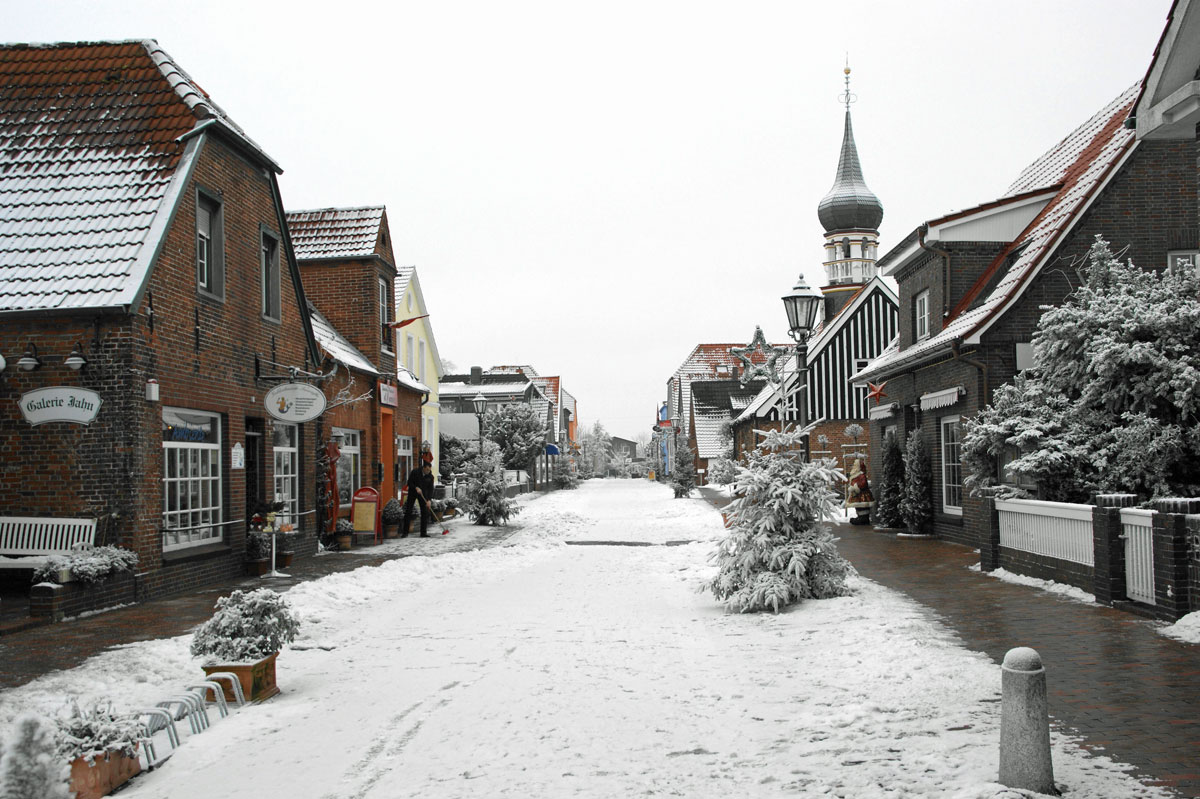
{"type": "Point", "coordinates": [545, 669]}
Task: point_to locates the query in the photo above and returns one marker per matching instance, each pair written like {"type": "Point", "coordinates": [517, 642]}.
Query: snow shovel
{"type": "Point", "coordinates": [445, 529]}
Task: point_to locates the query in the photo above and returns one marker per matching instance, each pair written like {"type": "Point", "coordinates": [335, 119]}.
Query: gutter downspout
{"type": "Point", "coordinates": [984, 399]}
{"type": "Point", "coordinates": [945, 269]}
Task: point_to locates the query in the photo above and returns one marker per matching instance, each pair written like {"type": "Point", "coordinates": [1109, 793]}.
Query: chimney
{"type": "Point", "coordinates": [476, 375]}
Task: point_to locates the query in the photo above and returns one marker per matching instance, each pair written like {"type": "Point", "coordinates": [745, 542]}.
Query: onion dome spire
{"type": "Point", "coordinates": [849, 205]}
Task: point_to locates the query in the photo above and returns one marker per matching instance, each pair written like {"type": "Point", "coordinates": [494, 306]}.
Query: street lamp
{"type": "Point", "coordinates": [480, 404]}
{"type": "Point", "coordinates": [801, 306]}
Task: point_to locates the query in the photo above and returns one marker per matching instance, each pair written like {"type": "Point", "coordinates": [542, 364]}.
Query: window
{"type": "Point", "coordinates": [951, 467]}
{"type": "Point", "coordinates": [192, 507]}
{"type": "Point", "coordinates": [285, 440]}
{"type": "Point", "coordinates": [421, 360]}
{"type": "Point", "coordinates": [1009, 477]}
{"type": "Point", "coordinates": [385, 315]}
{"type": "Point", "coordinates": [210, 255]}
{"type": "Point", "coordinates": [269, 255]}
{"type": "Point", "coordinates": [349, 465]}
{"type": "Point", "coordinates": [408, 354]}
{"type": "Point", "coordinates": [921, 314]}
{"type": "Point", "coordinates": [1181, 258]}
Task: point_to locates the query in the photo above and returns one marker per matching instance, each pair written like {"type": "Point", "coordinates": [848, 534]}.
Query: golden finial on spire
{"type": "Point", "coordinates": [848, 96]}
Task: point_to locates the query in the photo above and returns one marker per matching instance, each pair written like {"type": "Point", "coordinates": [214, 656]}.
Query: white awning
{"type": "Point", "coordinates": [941, 399]}
{"type": "Point", "coordinates": [883, 411]}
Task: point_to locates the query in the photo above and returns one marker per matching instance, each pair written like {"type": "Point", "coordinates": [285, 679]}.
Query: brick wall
{"type": "Point", "coordinates": [1045, 568]}
{"type": "Point", "coordinates": [200, 349]}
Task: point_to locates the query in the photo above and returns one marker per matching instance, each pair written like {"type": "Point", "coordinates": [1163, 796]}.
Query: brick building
{"type": "Point", "coordinates": [972, 284]}
{"type": "Point", "coordinates": [147, 273]}
{"type": "Point", "coordinates": [346, 262]}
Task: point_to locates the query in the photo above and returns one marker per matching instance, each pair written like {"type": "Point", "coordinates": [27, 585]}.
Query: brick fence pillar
{"type": "Point", "coordinates": [1172, 594]}
{"type": "Point", "coordinates": [1193, 531]}
{"type": "Point", "coordinates": [1108, 548]}
{"type": "Point", "coordinates": [989, 535]}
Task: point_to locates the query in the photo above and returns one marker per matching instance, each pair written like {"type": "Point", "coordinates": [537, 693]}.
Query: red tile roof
{"type": "Point", "coordinates": [329, 233]}
{"type": "Point", "coordinates": [89, 144]}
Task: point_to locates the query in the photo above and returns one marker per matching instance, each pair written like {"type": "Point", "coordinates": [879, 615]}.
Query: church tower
{"type": "Point", "coordinates": [850, 215]}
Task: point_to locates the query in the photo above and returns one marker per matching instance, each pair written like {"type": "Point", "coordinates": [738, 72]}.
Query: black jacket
{"type": "Point", "coordinates": [418, 479]}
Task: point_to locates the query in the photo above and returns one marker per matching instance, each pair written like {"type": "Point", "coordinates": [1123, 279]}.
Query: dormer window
{"type": "Point", "coordinates": [921, 315]}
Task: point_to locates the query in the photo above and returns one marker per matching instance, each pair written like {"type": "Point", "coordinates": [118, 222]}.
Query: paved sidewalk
{"type": "Point", "coordinates": [30, 653]}
{"type": "Point", "coordinates": [1132, 693]}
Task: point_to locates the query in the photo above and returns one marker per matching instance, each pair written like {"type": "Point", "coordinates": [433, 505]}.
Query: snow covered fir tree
{"type": "Point", "coordinates": [1112, 402]}
{"type": "Point", "coordinates": [890, 489]}
{"type": "Point", "coordinates": [683, 474]}
{"type": "Point", "coordinates": [916, 503]}
{"type": "Point", "coordinates": [563, 475]}
{"type": "Point", "coordinates": [778, 550]}
{"type": "Point", "coordinates": [519, 433]}
{"type": "Point", "coordinates": [487, 502]}
{"type": "Point", "coordinates": [31, 766]}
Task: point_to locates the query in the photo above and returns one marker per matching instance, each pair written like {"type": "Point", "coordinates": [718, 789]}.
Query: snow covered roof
{"type": "Point", "coordinates": [1081, 164]}
{"type": "Point", "coordinates": [95, 149]}
{"type": "Point", "coordinates": [714, 403]}
{"type": "Point", "coordinates": [709, 362]}
{"type": "Point", "coordinates": [506, 389]}
{"type": "Point", "coordinates": [335, 232]}
{"type": "Point", "coordinates": [336, 346]}
{"type": "Point", "coordinates": [409, 380]}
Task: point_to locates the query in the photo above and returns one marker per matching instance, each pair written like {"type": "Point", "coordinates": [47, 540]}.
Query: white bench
{"type": "Point", "coordinates": [27, 542]}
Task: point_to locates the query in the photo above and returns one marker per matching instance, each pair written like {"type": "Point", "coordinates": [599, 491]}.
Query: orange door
{"type": "Point", "coordinates": [387, 456]}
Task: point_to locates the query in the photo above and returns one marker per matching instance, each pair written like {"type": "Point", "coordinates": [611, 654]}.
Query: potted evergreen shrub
{"type": "Point", "coordinates": [244, 636]}
{"type": "Point", "coordinates": [101, 747]}
{"type": "Point", "coordinates": [391, 516]}
{"type": "Point", "coordinates": [258, 552]}
{"type": "Point", "coordinates": [345, 534]}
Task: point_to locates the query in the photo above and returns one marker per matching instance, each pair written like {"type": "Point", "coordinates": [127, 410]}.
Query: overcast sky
{"type": "Point", "coordinates": [595, 188]}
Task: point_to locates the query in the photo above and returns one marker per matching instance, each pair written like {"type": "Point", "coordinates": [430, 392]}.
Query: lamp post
{"type": "Point", "coordinates": [801, 305]}
{"type": "Point", "coordinates": [480, 405]}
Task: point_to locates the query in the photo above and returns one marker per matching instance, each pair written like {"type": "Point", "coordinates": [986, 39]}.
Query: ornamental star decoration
{"type": "Point", "coordinates": [753, 370]}
{"type": "Point", "coordinates": [876, 392]}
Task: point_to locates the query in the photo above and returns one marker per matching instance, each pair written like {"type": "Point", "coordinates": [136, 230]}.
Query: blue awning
{"type": "Point", "coordinates": [551, 449]}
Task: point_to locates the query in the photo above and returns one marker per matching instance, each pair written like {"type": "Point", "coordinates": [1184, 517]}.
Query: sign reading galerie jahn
{"type": "Point", "coordinates": [60, 404]}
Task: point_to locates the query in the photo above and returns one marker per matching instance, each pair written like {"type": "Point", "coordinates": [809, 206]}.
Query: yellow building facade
{"type": "Point", "coordinates": [418, 354]}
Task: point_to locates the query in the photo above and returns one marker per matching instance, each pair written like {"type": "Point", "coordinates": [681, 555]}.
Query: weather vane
{"type": "Point", "coordinates": [848, 96]}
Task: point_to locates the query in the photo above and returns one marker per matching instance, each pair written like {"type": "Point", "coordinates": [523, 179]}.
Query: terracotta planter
{"type": "Point", "coordinates": [392, 530]}
{"type": "Point", "coordinates": [257, 568]}
{"type": "Point", "coordinates": [257, 679]}
{"type": "Point", "coordinates": [344, 541]}
{"type": "Point", "coordinates": [283, 559]}
{"type": "Point", "coordinates": [99, 778]}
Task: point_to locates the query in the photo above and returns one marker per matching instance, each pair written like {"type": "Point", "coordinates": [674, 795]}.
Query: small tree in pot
{"type": "Point", "coordinates": [392, 515]}
{"type": "Point", "coordinates": [244, 636]}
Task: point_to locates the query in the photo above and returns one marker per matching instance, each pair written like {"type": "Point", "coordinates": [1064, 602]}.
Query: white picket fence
{"type": "Point", "coordinates": [1060, 530]}
{"type": "Point", "coordinates": [1137, 529]}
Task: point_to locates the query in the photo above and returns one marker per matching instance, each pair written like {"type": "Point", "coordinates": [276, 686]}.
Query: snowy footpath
{"type": "Point", "coordinates": [543, 669]}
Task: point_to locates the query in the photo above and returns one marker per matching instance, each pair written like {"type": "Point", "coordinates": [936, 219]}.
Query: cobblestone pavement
{"type": "Point", "coordinates": [29, 652]}
{"type": "Point", "coordinates": [1131, 692]}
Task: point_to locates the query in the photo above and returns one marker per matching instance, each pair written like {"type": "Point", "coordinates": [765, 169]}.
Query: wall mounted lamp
{"type": "Point", "coordinates": [30, 360]}
{"type": "Point", "coordinates": [3, 363]}
{"type": "Point", "coordinates": [75, 361]}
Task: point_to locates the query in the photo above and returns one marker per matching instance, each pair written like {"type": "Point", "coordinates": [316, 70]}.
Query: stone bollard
{"type": "Point", "coordinates": [1024, 726]}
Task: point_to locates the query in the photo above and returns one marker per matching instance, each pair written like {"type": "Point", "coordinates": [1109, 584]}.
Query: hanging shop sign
{"type": "Point", "coordinates": [388, 395]}
{"type": "Point", "coordinates": [295, 402]}
{"type": "Point", "coordinates": [60, 404]}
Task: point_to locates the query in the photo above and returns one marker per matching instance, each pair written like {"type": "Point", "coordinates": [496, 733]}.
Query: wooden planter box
{"type": "Point", "coordinates": [257, 679]}
{"type": "Point", "coordinates": [103, 775]}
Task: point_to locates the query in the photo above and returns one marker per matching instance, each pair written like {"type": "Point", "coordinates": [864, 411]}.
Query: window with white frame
{"type": "Point", "coordinates": [385, 315]}
{"type": "Point", "coordinates": [285, 440]}
{"type": "Point", "coordinates": [408, 354]}
{"type": "Point", "coordinates": [210, 256]}
{"type": "Point", "coordinates": [1181, 258]}
{"type": "Point", "coordinates": [921, 315]}
{"type": "Point", "coordinates": [951, 466]}
{"type": "Point", "coordinates": [349, 465]}
{"type": "Point", "coordinates": [421, 360]}
{"type": "Point", "coordinates": [269, 256]}
{"type": "Point", "coordinates": [192, 507]}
